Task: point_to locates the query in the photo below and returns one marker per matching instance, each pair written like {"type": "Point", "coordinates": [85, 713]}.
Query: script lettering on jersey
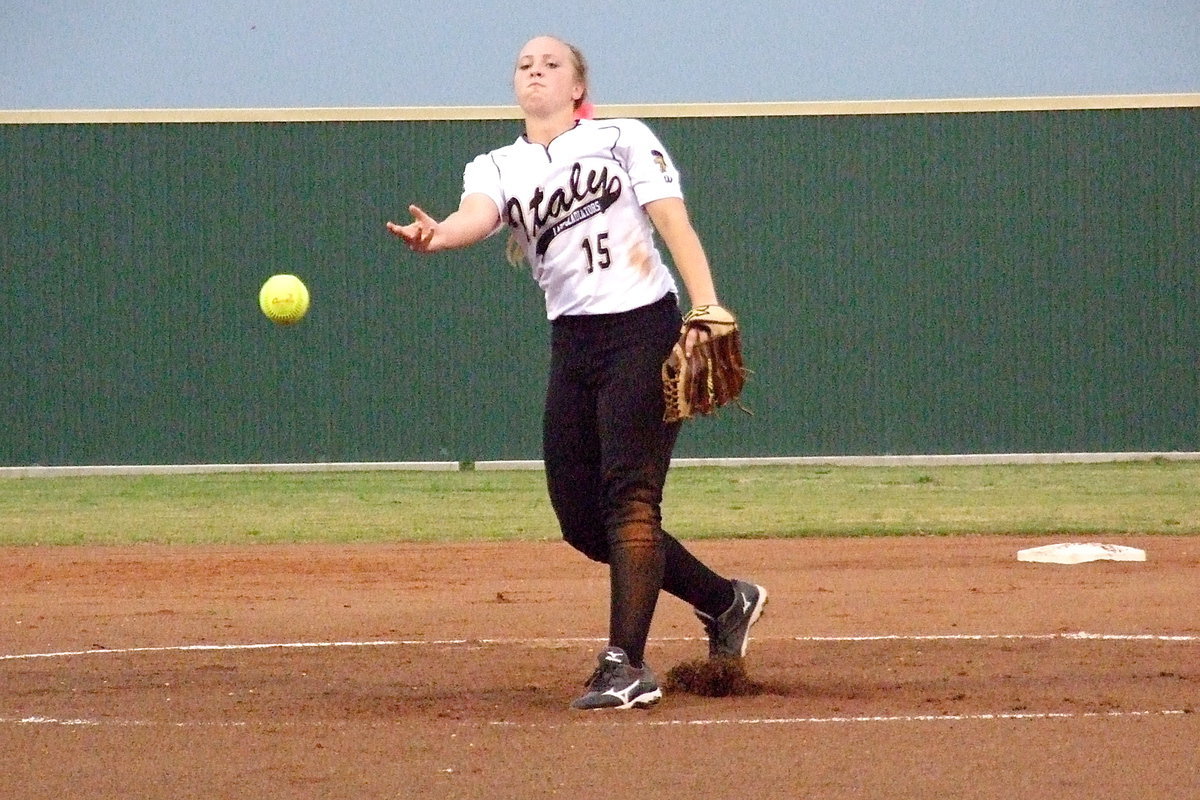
{"type": "Point", "coordinates": [565, 207]}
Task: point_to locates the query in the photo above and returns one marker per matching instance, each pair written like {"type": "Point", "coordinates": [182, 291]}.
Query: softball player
{"type": "Point", "coordinates": [583, 199]}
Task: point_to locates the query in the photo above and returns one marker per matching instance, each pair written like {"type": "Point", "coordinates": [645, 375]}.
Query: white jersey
{"type": "Point", "coordinates": [575, 207]}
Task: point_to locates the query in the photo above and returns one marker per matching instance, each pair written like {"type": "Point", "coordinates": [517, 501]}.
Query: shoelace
{"type": "Point", "coordinates": [597, 680]}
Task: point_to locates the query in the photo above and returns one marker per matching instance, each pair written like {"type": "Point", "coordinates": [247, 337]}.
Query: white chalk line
{"type": "Point", "coordinates": [572, 641]}
{"type": "Point", "coordinates": [480, 642]}
{"type": "Point", "coordinates": [980, 717]}
{"type": "Point", "coordinates": [614, 719]}
{"type": "Point", "coordinates": [123, 723]}
{"type": "Point", "coordinates": [1081, 635]}
{"type": "Point", "coordinates": [618, 719]}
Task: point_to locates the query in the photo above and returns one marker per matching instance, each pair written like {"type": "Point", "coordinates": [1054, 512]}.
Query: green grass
{"type": "Point", "coordinates": [1156, 497]}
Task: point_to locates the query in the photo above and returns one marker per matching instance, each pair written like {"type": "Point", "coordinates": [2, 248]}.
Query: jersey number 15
{"type": "Point", "coordinates": [597, 254]}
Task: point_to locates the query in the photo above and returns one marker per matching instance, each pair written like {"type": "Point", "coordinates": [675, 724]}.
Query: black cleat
{"type": "Point", "coordinates": [729, 634]}
{"type": "Point", "coordinates": [618, 684]}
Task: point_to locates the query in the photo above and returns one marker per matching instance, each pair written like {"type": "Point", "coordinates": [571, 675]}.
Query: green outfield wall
{"type": "Point", "coordinates": [909, 281]}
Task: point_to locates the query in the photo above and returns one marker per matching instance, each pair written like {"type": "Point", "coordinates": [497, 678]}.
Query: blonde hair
{"type": "Point", "coordinates": [514, 254]}
{"type": "Point", "coordinates": [581, 70]}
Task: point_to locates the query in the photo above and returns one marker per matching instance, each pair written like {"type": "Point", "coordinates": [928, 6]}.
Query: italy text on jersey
{"type": "Point", "coordinates": [597, 192]}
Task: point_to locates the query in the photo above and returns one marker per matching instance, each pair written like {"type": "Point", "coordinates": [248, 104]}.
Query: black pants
{"type": "Point", "coordinates": [607, 451]}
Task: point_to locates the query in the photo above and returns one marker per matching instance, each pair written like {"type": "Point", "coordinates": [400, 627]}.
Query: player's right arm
{"type": "Point", "coordinates": [476, 218]}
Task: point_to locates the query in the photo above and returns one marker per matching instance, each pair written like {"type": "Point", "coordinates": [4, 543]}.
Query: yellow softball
{"type": "Point", "coordinates": [284, 299]}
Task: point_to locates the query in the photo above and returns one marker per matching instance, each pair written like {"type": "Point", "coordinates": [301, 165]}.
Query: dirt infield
{"type": "Point", "coordinates": [898, 668]}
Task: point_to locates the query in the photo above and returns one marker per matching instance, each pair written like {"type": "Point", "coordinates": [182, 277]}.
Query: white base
{"type": "Point", "coordinates": [1078, 553]}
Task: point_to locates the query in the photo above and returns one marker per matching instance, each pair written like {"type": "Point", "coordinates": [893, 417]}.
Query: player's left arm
{"type": "Point", "coordinates": [705, 369]}
{"type": "Point", "coordinates": [674, 225]}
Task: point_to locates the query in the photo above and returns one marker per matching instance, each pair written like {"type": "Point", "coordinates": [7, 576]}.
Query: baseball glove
{"type": "Point", "coordinates": [712, 375]}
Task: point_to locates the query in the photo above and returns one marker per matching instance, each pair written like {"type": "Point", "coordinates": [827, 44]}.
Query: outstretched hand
{"type": "Point", "coordinates": [418, 234]}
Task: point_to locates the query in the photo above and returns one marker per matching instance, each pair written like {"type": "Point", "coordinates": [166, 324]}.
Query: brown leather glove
{"type": "Point", "coordinates": [713, 374]}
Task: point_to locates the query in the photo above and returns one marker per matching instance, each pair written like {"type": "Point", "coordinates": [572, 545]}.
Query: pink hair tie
{"type": "Point", "coordinates": [585, 111]}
